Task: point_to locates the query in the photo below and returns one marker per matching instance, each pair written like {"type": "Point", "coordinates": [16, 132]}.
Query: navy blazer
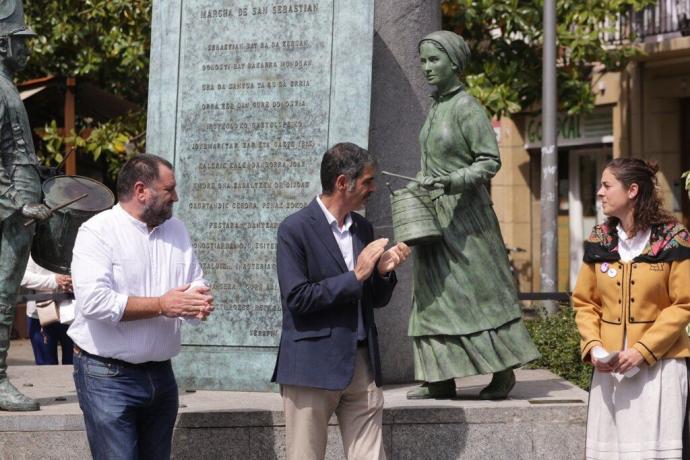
{"type": "Point", "coordinates": [319, 296]}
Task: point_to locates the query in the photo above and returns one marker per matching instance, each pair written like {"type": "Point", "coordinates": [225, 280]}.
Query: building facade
{"type": "Point", "coordinates": [643, 112]}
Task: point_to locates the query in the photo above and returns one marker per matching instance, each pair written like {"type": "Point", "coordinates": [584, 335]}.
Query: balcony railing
{"type": "Point", "coordinates": [665, 19]}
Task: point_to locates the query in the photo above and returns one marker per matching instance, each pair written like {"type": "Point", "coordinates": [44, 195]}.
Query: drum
{"type": "Point", "coordinates": [54, 238]}
{"type": "Point", "coordinates": [414, 217]}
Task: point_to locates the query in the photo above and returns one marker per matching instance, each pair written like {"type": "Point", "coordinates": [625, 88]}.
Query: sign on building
{"type": "Point", "coordinates": [582, 129]}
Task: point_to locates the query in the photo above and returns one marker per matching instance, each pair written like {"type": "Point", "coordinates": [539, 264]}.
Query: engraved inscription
{"type": "Point", "coordinates": [252, 124]}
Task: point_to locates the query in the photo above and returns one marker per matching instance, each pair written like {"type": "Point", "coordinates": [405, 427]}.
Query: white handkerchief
{"type": "Point", "coordinates": [602, 355]}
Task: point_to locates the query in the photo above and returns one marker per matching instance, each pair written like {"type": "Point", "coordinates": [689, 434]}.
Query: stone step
{"type": "Point", "coordinates": [543, 419]}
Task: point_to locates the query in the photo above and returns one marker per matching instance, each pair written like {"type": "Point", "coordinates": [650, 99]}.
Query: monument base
{"type": "Point", "coordinates": [225, 368]}
{"type": "Point", "coordinates": [544, 419]}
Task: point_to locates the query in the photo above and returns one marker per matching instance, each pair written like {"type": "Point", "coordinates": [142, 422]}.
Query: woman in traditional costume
{"type": "Point", "coordinates": [632, 303]}
{"type": "Point", "coordinates": [466, 318]}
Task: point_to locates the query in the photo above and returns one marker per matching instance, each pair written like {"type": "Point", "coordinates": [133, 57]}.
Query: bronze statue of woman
{"type": "Point", "coordinates": [466, 319]}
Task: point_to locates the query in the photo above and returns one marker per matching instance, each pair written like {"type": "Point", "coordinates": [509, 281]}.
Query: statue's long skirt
{"type": "Point", "coordinates": [466, 318]}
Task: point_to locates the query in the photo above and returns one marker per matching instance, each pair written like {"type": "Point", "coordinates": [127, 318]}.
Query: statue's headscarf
{"type": "Point", "coordinates": [454, 46]}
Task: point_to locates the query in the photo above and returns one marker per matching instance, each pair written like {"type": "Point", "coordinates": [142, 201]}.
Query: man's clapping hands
{"type": "Point", "coordinates": [375, 255]}
{"type": "Point", "coordinates": [183, 301]}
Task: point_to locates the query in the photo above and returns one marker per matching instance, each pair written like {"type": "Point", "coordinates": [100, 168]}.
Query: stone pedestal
{"type": "Point", "coordinates": [400, 100]}
{"type": "Point", "coordinates": [544, 419]}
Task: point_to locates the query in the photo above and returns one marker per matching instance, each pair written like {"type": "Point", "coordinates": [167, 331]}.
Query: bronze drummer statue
{"type": "Point", "coordinates": [20, 188]}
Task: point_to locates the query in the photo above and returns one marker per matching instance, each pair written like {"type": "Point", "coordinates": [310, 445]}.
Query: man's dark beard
{"type": "Point", "coordinates": [155, 214]}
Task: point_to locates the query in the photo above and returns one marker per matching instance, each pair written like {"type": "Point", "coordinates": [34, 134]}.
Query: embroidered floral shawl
{"type": "Point", "coordinates": [667, 242]}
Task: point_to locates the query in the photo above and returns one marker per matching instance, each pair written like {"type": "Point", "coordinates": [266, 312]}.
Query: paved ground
{"type": "Point", "coordinates": [20, 353]}
{"type": "Point", "coordinates": [54, 387]}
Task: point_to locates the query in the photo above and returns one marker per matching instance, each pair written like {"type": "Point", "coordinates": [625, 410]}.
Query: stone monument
{"type": "Point", "coordinates": [244, 98]}
{"type": "Point", "coordinates": [400, 101]}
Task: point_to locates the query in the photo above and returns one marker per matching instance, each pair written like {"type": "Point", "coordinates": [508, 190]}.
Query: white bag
{"type": "Point", "coordinates": [47, 312]}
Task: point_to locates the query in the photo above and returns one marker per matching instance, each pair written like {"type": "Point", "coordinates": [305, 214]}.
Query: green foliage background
{"type": "Point", "coordinates": [506, 39]}
{"type": "Point", "coordinates": [558, 341]}
{"type": "Point", "coordinates": [107, 43]}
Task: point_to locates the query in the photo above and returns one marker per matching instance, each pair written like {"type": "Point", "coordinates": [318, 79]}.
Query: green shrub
{"type": "Point", "coordinates": [558, 342]}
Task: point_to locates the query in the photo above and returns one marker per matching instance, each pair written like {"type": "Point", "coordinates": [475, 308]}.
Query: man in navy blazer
{"type": "Point", "coordinates": [332, 274]}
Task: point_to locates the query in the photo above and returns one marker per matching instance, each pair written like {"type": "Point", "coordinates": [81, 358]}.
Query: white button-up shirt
{"type": "Point", "coordinates": [115, 256]}
{"type": "Point", "coordinates": [629, 248]}
{"type": "Point", "coordinates": [343, 237]}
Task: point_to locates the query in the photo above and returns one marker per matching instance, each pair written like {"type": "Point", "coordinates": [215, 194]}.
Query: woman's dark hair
{"type": "Point", "coordinates": [648, 208]}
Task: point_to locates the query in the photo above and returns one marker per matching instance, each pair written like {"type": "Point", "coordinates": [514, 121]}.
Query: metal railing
{"type": "Point", "coordinates": [665, 19]}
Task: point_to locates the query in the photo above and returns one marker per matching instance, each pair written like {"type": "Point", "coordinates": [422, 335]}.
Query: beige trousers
{"type": "Point", "coordinates": [359, 409]}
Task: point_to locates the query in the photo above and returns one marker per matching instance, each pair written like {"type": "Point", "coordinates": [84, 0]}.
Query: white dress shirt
{"type": "Point", "coordinates": [343, 237]}
{"type": "Point", "coordinates": [629, 248]}
{"type": "Point", "coordinates": [115, 256]}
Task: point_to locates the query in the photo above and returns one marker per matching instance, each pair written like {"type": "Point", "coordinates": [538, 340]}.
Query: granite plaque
{"type": "Point", "coordinates": [244, 99]}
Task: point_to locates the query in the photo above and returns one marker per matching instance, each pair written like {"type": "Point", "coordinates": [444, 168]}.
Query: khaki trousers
{"type": "Point", "coordinates": [359, 409]}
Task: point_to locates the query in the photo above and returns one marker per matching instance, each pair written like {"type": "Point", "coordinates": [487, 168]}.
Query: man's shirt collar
{"type": "Point", "coordinates": [332, 221]}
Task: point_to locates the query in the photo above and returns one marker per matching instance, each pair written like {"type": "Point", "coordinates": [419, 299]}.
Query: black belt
{"type": "Point", "coordinates": [119, 362]}
{"type": "Point", "coordinates": [362, 343]}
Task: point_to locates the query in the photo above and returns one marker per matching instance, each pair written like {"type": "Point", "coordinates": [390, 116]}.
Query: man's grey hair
{"type": "Point", "coordinates": [346, 159]}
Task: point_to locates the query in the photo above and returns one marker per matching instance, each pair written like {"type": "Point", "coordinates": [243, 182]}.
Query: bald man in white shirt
{"type": "Point", "coordinates": [136, 280]}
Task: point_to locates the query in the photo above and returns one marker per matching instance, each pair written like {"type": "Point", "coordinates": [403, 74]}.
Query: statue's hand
{"type": "Point", "coordinates": [412, 185]}
{"type": "Point", "coordinates": [431, 183]}
{"type": "Point", "coordinates": [36, 211]}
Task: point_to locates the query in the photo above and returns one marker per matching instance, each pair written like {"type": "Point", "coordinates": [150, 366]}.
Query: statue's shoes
{"type": "Point", "coordinates": [501, 384]}
{"type": "Point", "coordinates": [12, 400]}
{"type": "Point", "coordinates": [434, 390]}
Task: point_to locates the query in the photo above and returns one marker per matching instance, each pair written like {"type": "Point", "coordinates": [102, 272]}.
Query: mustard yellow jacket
{"type": "Point", "coordinates": [646, 300]}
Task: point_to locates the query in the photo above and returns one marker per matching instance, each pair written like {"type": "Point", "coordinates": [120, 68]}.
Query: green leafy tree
{"type": "Point", "coordinates": [113, 142]}
{"type": "Point", "coordinates": [107, 43]}
{"type": "Point", "coordinates": [506, 38]}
